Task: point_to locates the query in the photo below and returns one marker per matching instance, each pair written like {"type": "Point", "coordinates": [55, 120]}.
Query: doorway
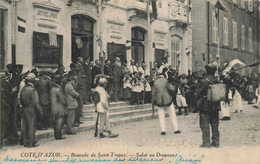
{"type": "Point", "coordinates": [82, 37]}
{"type": "Point", "coordinates": [138, 44]}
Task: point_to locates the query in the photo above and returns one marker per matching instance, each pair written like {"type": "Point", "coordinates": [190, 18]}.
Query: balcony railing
{"type": "Point", "coordinates": [140, 5]}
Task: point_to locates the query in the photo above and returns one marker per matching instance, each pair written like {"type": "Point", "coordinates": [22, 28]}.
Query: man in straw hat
{"type": "Point", "coordinates": [209, 115]}
{"type": "Point", "coordinates": [103, 109]}
{"type": "Point", "coordinates": [162, 92]}
{"type": "Point", "coordinates": [30, 104]}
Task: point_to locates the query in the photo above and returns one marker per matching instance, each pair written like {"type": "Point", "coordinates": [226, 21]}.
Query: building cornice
{"type": "Point", "coordinates": [46, 5]}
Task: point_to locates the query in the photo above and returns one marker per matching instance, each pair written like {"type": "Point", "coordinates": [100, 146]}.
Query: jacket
{"type": "Point", "coordinates": [43, 89]}
{"type": "Point", "coordinates": [160, 94]}
{"type": "Point", "coordinates": [95, 71]}
{"type": "Point", "coordinates": [108, 70]}
{"type": "Point", "coordinates": [58, 101]}
{"type": "Point", "coordinates": [88, 72]}
{"type": "Point", "coordinates": [117, 72]}
{"type": "Point", "coordinates": [103, 104]}
{"type": "Point", "coordinates": [71, 95]}
{"type": "Point", "coordinates": [201, 93]}
{"type": "Point", "coordinates": [29, 98]}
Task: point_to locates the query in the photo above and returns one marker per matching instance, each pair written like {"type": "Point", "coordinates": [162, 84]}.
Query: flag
{"type": "Point", "coordinates": [154, 9]}
{"type": "Point", "coordinates": [236, 63]}
{"type": "Point", "coordinates": [53, 38]}
{"type": "Point", "coordinates": [79, 42]}
{"type": "Point", "coordinates": [21, 24]}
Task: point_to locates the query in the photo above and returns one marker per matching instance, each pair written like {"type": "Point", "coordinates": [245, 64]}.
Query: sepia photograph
{"type": "Point", "coordinates": [130, 81]}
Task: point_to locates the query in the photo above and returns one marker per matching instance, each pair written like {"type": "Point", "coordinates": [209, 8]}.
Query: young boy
{"type": "Point", "coordinates": [103, 109]}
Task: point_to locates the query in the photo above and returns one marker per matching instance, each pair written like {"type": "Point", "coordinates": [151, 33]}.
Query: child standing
{"type": "Point", "coordinates": [136, 88]}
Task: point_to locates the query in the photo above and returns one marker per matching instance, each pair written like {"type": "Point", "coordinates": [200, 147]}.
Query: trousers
{"type": "Point", "coordinates": [104, 123]}
{"type": "Point", "coordinates": [28, 126]}
{"type": "Point", "coordinates": [87, 92]}
{"type": "Point", "coordinates": [238, 101]}
{"type": "Point", "coordinates": [208, 119]}
{"type": "Point", "coordinates": [224, 109]}
{"type": "Point", "coordinates": [59, 122]}
{"type": "Point", "coordinates": [70, 121]}
{"type": "Point", "coordinates": [171, 110]}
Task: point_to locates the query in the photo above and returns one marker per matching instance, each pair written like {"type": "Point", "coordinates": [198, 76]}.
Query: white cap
{"type": "Point", "coordinates": [102, 80]}
{"type": "Point", "coordinates": [31, 76]}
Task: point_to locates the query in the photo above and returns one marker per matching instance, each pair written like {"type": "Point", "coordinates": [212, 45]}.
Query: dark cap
{"type": "Point", "coordinates": [183, 76]}
{"type": "Point", "coordinates": [19, 66]}
{"type": "Point", "coordinates": [212, 66]}
{"type": "Point", "coordinates": [57, 76]}
{"type": "Point", "coordinates": [10, 66]}
{"type": "Point", "coordinates": [72, 73]}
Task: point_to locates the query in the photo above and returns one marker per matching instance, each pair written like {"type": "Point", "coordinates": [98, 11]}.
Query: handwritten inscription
{"type": "Point", "coordinates": [53, 157]}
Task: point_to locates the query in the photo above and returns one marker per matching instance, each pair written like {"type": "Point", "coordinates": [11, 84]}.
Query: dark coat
{"type": "Point", "coordinates": [81, 69]}
{"type": "Point", "coordinates": [117, 72]}
{"type": "Point", "coordinates": [29, 99]}
{"type": "Point", "coordinates": [201, 93]}
{"type": "Point", "coordinates": [43, 87]}
{"type": "Point", "coordinates": [108, 70]}
{"type": "Point", "coordinates": [58, 101]}
{"type": "Point", "coordinates": [88, 73]}
{"type": "Point", "coordinates": [95, 71]}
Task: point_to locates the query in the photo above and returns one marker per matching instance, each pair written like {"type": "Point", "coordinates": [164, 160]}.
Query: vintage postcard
{"type": "Point", "coordinates": [130, 81]}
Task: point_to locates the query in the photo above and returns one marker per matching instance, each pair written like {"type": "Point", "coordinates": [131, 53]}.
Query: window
{"type": "Point", "coordinates": [243, 3]}
{"type": "Point", "coordinates": [225, 31]}
{"type": "Point", "coordinates": [81, 23]}
{"type": "Point", "coordinates": [250, 5]}
{"type": "Point", "coordinates": [175, 48]}
{"type": "Point", "coordinates": [243, 35]}
{"type": "Point", "coordinates": [234, 25]}
{"type": "Point", "coordinates": [250, 37]}
{"type": "Point", "coordinates": [214, 29]}
{"type": "Point", "coordinates": [45, 54]}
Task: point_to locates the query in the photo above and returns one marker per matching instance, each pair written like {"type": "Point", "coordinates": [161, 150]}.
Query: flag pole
{"type": "Point", "coordinates": [101, 37]}
{"type": "Point", "coordinates": [148, 40]}
{"type": "Point", "coordinates": [148, 30]}
{"type": "Point", "coordinates": [14, 29]}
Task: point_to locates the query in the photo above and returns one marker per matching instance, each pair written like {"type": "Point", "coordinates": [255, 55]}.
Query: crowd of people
{"type": "Point", "coordinates": [32, 99]}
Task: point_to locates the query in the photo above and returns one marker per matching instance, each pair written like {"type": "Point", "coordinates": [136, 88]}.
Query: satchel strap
{"type": "Point", "coordinates": [209, 80]}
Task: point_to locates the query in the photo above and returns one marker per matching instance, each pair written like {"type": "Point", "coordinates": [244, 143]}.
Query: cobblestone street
{"type": "Point", "coordinates": [239, 140]}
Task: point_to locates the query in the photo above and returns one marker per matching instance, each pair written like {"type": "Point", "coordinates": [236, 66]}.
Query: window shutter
{"type": "Point", "coordinates": [234, 34]}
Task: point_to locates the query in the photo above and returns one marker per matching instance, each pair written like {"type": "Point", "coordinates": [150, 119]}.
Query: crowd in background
{"type": "Point", "coordinates": [61, 94]}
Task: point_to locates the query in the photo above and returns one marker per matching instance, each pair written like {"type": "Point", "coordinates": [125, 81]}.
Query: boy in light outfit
{"type": "Point", "coordinates": [103, 109]}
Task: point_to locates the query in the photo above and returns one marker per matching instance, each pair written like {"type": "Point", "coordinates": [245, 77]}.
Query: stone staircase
{"type": "Point", "coordinates": [119, 113]}
{"type": "Point", "coordinates": [118, 110]}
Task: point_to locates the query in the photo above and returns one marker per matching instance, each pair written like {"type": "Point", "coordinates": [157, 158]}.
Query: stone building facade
{"type": "Point", "coordinates": [238, 32]}
{"type": "Point", "coordinates": [58, 31]}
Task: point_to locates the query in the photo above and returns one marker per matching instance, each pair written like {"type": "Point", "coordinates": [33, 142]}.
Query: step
{"type": "Point", "coordinates": [131, 112]}
{"type": "Point", "coordinates": [90, 125]}
{"type": "Point", "coordinates": [117, 109]}
{"type": "Point", "coordinates": [112, 104]}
